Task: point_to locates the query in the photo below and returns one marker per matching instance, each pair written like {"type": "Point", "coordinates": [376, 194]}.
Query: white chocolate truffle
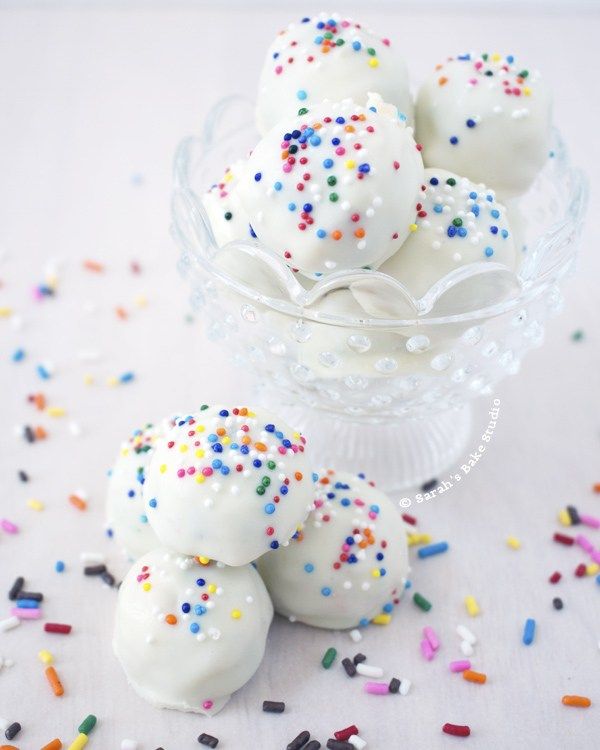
{"type": "Point", "coordinates": [127, 521]}
{"type": "Point", "coordinates": [458, 223]}
{"type": "Point", "coordinates": [228, 484]}
{"type": "Point", "coordinates": [335, 188]}
{"type": "Point", "coordinates": [488, 118]}
{"type": "Point", "coordinates": [348, 564]}
{"type": "Point", "coordinates": [188, 635]}
{"type": "Point", "coordinates": [227, 218]}
{"type": "Point", "coordinates": [328, 57]}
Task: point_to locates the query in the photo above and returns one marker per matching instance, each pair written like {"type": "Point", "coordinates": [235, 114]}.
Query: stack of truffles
{"type": "Point", "coordinates": [198, 500]}
{"type": "Point", "coordinates": [350, 173]}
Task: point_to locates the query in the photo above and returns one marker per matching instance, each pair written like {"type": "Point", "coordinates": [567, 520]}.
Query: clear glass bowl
{"type": "Point", "coordinates": [392, 396]}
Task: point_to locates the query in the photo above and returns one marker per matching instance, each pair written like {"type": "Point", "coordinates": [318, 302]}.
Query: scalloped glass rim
{"type": "Point", "coordinates": [548, 260]}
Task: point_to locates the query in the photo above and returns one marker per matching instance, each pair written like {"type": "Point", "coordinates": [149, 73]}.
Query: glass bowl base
{"type": "Point", "coordinates": [397, 455]}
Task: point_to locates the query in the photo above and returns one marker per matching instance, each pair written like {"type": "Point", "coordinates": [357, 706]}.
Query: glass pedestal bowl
{"type": "Point", "coordinates": [390, 397]}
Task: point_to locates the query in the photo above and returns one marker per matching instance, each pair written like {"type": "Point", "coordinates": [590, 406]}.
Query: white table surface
{"type": "Point", "coordinates": [88, 100]}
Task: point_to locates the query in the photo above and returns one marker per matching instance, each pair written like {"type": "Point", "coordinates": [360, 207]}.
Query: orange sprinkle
{"type": "Point", "coordinates": [596, 487]}
{"type": "Point", "coordinates": [243, 411]}
{"type": "Point", "coordinates": [580, 701]}
{"type": "Point", "coordinates": [93, 265]}
{"type": "Point", "coordinates": [121, 313]}
{"type": "Point", "coordinates": [78, 502]}
{"type": "Point", "coordinates": [337, 235]}
{"type": "Point", "coordinates": [284, 155]}
{"type": "Point", "coordinates": [472, 676]}
{"type": "Point", "coordinates": [260, 447]}
{"type": "Point", "coordinates": [53, 745]}
{"type": "Point", "coordinates": [40, 433]}
{"type": "Point", "coordinates": [39, 401]}
{"type": "Point", "coordinates": [439, 66]}
{"type": "Point", "coordinates": [221, 431]}
{"type": "Point", "coordinates": [171, 619]}
{"type": "Point", "coordinates": [442, 80]}
{"type": "Point", "coordinates": [359, 232]}
{"type": "Point", "coordinates": [55, 683]}
{"type": "Point", "coordinates": [362, 117]}
{"type": "Point", "coordinates": [245, 440]}
{"type": "Point", "coordinates": [298, 476]}
{"type": "Point", "coordinates": [349, 128]}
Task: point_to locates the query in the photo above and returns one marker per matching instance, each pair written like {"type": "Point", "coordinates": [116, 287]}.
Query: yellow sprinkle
{"type": "Point", "coordinates": [200, 428]}
{"type": "Point", "coordinates": [472, 606]}
{"type": "Point", "coordinates": [228, 176]}
{"type": "Point", "coordinates": [35, 504]}
{"type": "Point", "coordinates": [45, 656]}
{"type": "Point", "coordinates": [56, 411]}
{"type": "Point", "coordinates": [112, 381]}
{"type": "Point", "coordinates": [350, 164]}
{"type": "Point", "coordinates": [88, 379]}
{"type": "Point", "coordinates": [199, 453]}
{"type": "Point", "coordinates": [297, 435]}
{"type": "Point", "coordinates": [564, 517]}
{"type": "Point", "coordinates": [592, 569]}
{"type": "Point", "coordinates": [204, 561]}
{"type": "Point", "coordinates": [5, 312]}
{"type": "Point", "coordinates": [412, 227]}
{"type": "Point", "coordinates": [125, 451]}
{"type": "Point", "coordinates": [141, 300]}
{"type": "Point", "coordinates": [226, 440]}
{"type": "Point", "coordinates": [513, 542]}
{"type": "Point", "coordinates": [251, 413]}
{"type": "Point", "coordinates": [200, 478]}
{"type": "Point", "coordinates": [414, 539]}
{"type": "Point", "coordinates": [146, 586]}
{"type": "Point", "coordinates": [382, 619]}
{"type": "Point", "coordinates": [373, 62]}
{"type": "Point", "coordinates": [163, 468]}
{"type": "Point", "coordinates": [236, 614]}
{"type": "Point", "coordinates": [526, 91]}
{"type": "Point", "coordinates": [211, 586]}
{"type": "Point", "coordinates": [183, 448]}
{"type": "Point", "coordinates": [375, 573]}
{"type": "Point", "coordinates": [79, 742]}
{"type": "Point", "coordinates": [496, 57]}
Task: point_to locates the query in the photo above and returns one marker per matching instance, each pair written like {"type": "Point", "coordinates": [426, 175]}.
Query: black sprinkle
{"type": "Point", "coordinates": [108, 578]}
{"type": "Point", "coordinates": [35, 595]}
{"type": "Point", "coordinates": [573, 515]}
{"type": "Point", "coordinates": [557, 603]}
{"type": "Point", "coordinates": [94, 570]}
{"type": "Point", "coordinates": [359, 658]}
{"type": "Point", "coordinates": [394, 685]}
{"type": "Point", "coordinates": [13, 730]}
{"type": "Point", "coordinates": [23, 475]}
{"type": "Point", "coordinates": [29, 434]}
{"type": "Point", "coordinates": [349, 667]}
{"type": "Point", "coordinates": [208, 739]}
{"type": "Point", "coordinates": [339, 745]}
{"type": "Point", "coordinates": [299, 741]}
{"type": "Point", "coordinates": [15, 588]}
{"type": "Point", "coordinates": [274, 707]}
{"type": "Point", "coordinates": [313, 745]}
{"type": "Point", "coordinates": [430, 485]}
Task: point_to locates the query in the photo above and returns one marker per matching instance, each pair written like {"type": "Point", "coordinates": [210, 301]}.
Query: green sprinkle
{"type": "Point", "coordinates": [340, 42]}
{"type": "Point", "coordinates": [265, 481]}
{"type": "Point", "coordinates": [451, 181]}
{"type": "Point", "coordinates": [329, 657]}
{"type": "Point", "coordinates": [421, 602]}
{"type": "Point", "coordinates": [302, 111]}
{"type": "Point", "coordinates": [272, 465]}
{"type": "Point", "coordinates": [577, 335]}
{"type": "Point", "coordinates": [331, 181]}
{"type": "Point", "coordinates": [371, 51]}
{"type": "Point", "coordinates": [228, 216]}
{"type": "Point", "coordinates": [523, 74]}
{"type": "Point", "coordinates": [457, 222]}
{"type": "Point", "coordinates": [328, 35]}
{"type": "Point", "coordinates": [333, 197]}
{"type": "Point", "coordinates": [260, 490]}
{"type": "Point", "coordinates": [87, 724]}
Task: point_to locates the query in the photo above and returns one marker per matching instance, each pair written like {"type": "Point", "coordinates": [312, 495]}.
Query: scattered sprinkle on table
{"type": "Point", "coordinates": [273, 707]}
{"type": "Point", "coordinates": [421, 602]}
{"type": "Point", "coordinates": [578, 701]}
{"type": "Point", "coordinates": [329, 657]}
{"type": "Point", "coordinates": [472, 606]}
{"type": "Point", "coordinates": [529, 632]}
{"type": "Point", "coordinates": [457, 730]}
{"type": "Point", "coordinates": [299, 741]}
{"type": "Point", "coordinates": [433, 549]}
{"type": "Point", "coordinates": [471, 676]}
{"type": "Point", "coordinates": [513, 542]}
{"type": "Point", "coordinates": [208, 740]}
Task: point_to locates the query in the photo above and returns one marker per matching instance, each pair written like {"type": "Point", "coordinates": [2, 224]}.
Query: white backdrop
{"type": "Point", "coordinates": [92, 105]}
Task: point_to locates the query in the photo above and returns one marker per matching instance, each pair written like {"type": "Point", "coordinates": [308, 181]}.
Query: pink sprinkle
{"type": "Point", "coordinates": [207, 705]}
{"type": "Point", "coordinates": [460, 666]}
{"type": "Point", "coordinates": [278, 69]}
{"type": "Point", "coordinates": [584, 543]}
{"type": "Point", "coordinates": [340, 151]}
{"type": "Point", "coordinates": [372, 514]}
{"type": "Point", "coordinates": [180, 473]}
{"type": "Point", "coordinates": [207, 471]}
{"type": "Point", "coordinates": [596, 556]}
{"type": "Point", "coordinates": [191, 470]}
{"type": "Point", "coordinates": [432, 638]}
{"type": "Point", "coordinates": [281, 449]}
{"type": "Point", "coordinates": [26, 614]}
{"type": "Point", "coordinates": [287, 167]}
{"type": "Point", "coordinates": [386, 42]}
{"type": "Point", "coordinates": [590, 521]}
{"type": "Point", "coordinates": [426, 649]}
{"type": "Point", "coordinates": [9, 526]}
{"type": "Point", "coordinates": [377, 688]}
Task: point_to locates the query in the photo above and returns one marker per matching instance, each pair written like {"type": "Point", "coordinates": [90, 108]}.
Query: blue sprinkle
{"type": "Point", "coordinates": [462, 232]}
{"type": "Point", "coordinates": [504, 233]}
{"type": "Point", "coordinates": [274, 545]}
{"type": "Point", "coordinates": [364, 622]}
{"type": "Point", "coordinates": [326, 591]}
{"type": "Point", "coordinates": [451, 231]}
{"type": "Point", "coordinates": [269, 508]}
{"type": "Point", "coordinates": [225, 470]}
{"type": "Point", "coordinates": [194, 627]}
{"type": "Point", "coordinates": [433, 549]}
{"type": "Point", "coordinates": [356, 45]}
{"type": "Point", "coordinates": [345, 502]}
{"type": "Point", "coordinates": [495, 213]}
{"type": "Point", "coordinates": [471, 123]}
{"type": "Point", "coordinates": [283, 489]}
{"type": "Point", "coordinates": [199, 610]}
{"type": "Point", "coordinates": [315, 140]}
{"type": "Point", "coordinates": [217, 463]}
{"type": "Point", "coordinates": [131, 493]}
{"type": "Point", "coordinates": [340, 120]}
{"type": "Point", "coordinates": [258, 177]}
{"type": "Point", "coordinates": [494, 230]}
{"type": "Point", "coordinates": [438, 208]}
{"type": "Point", "coordinates": [270, 428]}
{"type": "Point", "coordinates": [475, 210]}
{"type": "Point", "coordinates": [126, 377]}
{"type": "Point", "coordinates": [278, 186]}
{"type": "Point", "coordinates": [307, 207]}
{"type": "Point", "coordinates": [185, 608]}
{"type": "Point", "coordinates": [143, 518]}
{"type": "Point", "coordinates": [434, 181]}
{"type": "Point", "coordinates": [328, 163]}
{"type": "Point", "coordinates": [200, 582]}
{"type": "Point", "coordinates": [309, 567]}
{"type": "Point", "coordinates": [473, 195]}
{"type": "Point", "coordinates": [291, 206]}
{"type": "Point", "coordinates": [454, 140]}
{"type": "Point", "coordinates": [319, 39]}
{"type": "Point", "coordinates": [152, 503]}
{"type": "Point", "coordinates": [18, 355]}
{"type": "Point", "coordinates": [59, 566]}
{"type": "Point", "coordinates": [489, 251]}
{"type": "Point", "coordinates": [321, 233]}
{"type": "Point", "coordinates": [43, 372]}
{"type": "Point", "coordinates": [301, 95]}
{"type": "Point", "coordinates": [217, 448]}
{"type": "Point", "coordinates": [529, 632]}
{"type": "Point", "coordinates": [364, 168]}
{"type": "Point", "coordinates": [387, 608]}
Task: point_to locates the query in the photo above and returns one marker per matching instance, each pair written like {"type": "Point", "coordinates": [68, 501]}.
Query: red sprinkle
{"type": "Point", "coordinates": [563, 539]}
{"type": "Point", "coordinates": [457, 730]}
{"type": "Point", "coordinates": [409, 519]}
{"type": "Point", "coordinates": [344, 734]}
{"type": "Point", "coordinates": [57, 627]}
{"type": "Point", "coordinates": [555, 577]}
{"type": "Point", "coordinates": [580, 570]}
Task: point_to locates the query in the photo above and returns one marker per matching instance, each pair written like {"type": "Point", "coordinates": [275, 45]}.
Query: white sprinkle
{"type": "Point", "coordinates": [357, 741]}
{"type": "Point", "coordinates": [366, 670]}
{"type": "Point", "coordinates": [466, 648]}
{"type": "Point", "coordinates": [92, 558]}
{"type": "Point", "coordinates": [466, 635]}
{"type": "Point", "coordinates": [405, 686]}
{"type": "Point", "coordinates": [129, 745]}
{"type": "Point", "coordinates": [9, 623]}
{"type": "Point", "coordinates": [75, 429]}
{"type": "Point", "coordinates": [356, 635]}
